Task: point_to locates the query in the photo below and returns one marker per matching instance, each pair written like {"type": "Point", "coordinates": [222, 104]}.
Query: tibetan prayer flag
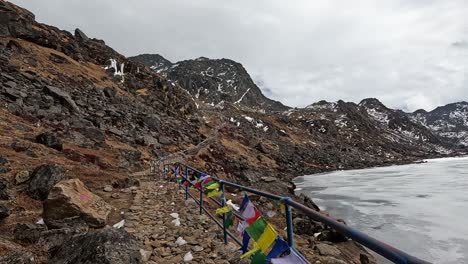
{"type": "Point", "coordinates": [279, 248]}
{"type": "Point", "coordinates": [251, 252]}
{"type": "Point", "coordinates": [214, 193]}
{"type": "Point", "coordinates": [244, 202]}
{"type": "Point", "coordinates": [251, 213]}
{"type": "Point", "coordinates": [207, 180]}
{"type": "Point", "coordinates": [245, 242]}
{"type": "Point", "coordinates": [229, 220]}
{"type": "Point", "coordinates": [258, 258]}
{"type": "Point", "coordinates": [223, 210]}
{"type": "Point", "coordinates": [241, 227]}
{"type": "Point", "coordinates": [257, 228]}
{"type": "Point", "coordinates": [292, 258]}
{"type": "Point", "coordinates": [212, 186]}
{"type": "Point", "coordinates": [267, 238]}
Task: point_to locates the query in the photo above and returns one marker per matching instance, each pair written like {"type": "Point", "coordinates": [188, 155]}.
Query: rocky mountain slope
{"type": "Point", "coordinates": [213, 82]}
{"type": "Point", "coordinates": [448, 121]}
{"type": "Point", "coordinates": [77, 118]}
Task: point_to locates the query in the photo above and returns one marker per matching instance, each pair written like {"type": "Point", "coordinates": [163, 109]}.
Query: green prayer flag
{"type": "Point", "coordinates": [257, 228]}
{"type": "Point", "coordinates": [229, 220]}
{"type": "Point", "coordinates": [258, 258]}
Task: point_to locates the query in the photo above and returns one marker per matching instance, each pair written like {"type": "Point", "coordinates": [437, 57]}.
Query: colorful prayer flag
{"type": "Point", "coordinates": [251, 213]}
{"type": "Point", "coordinates": [258, 258]}
{"type": "Point", "coordinates": [257, 228]}
{"type": "Point", "coordinates": [267, 238]}
{"type": "Point", "coordinates": [223, 210]}
{"type": "Point", "coordinates": [245, 242]}
{"type": "Point", "coordinates": [214, 193]}
{"type": "Point", "coordinates": [279, 248]}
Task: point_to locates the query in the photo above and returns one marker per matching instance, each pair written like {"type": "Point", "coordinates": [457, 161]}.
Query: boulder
{"type": "Point", "coordinates": [62, 96]}
{"type": "Point", "coordinates": [4, 212]}
{"type": "Point", "coordinates": [43, 178]}
{"type": "Point", "coordinates": [3, 189]}
{"type": "Point", "coordinates": [70, 203]}
{"type": "Point", "coordinates": [28, 233]}
{"type": "Point", "coordinates": [22, 177]}
{"type": "Point", "coordinates": [165, 140]}
{"type": "Point", "coordinates": [80, 35]}
{"type": "Point", "coordinates": [107, 246]}
{"type": "Point", "coordinates": [50, 140]}
{"type": "Point", "coordinates": [18, 257]}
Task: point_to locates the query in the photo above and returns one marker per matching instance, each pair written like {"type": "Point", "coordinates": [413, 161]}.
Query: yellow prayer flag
{"type": "Point", "coordinates": [214, 193]}
{"type": "Point", "coordinates": [223, 210]}
{"type": "Point", "coordinates": [251, 252]}
{"type": "Point", "coordinates": [212, 186]}
{"type": "Point", "coordinates": [267, 238]}
{"type": "Point", "coordinates": [283, 208]}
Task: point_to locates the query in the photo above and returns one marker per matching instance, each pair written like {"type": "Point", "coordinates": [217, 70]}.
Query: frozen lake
{"type": "Point", "coordinates": [421, 209]}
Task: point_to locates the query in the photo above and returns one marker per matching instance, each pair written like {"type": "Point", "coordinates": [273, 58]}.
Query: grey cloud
{"type": "Point", "coordinates": [299, 52]}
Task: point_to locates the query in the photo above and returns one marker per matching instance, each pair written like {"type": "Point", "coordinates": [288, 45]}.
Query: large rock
{"type": "Point", "coordinates": [3, 189]}
{"type": "Point", "coordinates": [70, 203]}
{"type": "Point", "coordinates": [63, 96]}
{"type": "Point", "coordinates": [15, 21]}
{"type": "Point", "coordinates": [50, 140]}
{"type": "Point", "coordinates": [4, 212]}
{"type": "Point", "coordinates": [43, 179]}
{"type": "Point", "coordinates": [108, 246]}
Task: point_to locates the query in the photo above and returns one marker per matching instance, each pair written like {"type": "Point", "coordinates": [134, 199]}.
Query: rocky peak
{"type": "Point", "coordinates": [155, 61]}
{"type": "Point", "coordinates": [213, 81]}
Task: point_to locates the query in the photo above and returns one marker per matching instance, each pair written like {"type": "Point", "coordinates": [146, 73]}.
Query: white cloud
{"type": "Point", "coordinates": [408, 53]}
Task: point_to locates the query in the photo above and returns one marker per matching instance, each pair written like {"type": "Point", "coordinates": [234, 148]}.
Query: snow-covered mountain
{"type": "Point", "coordinates": [448, 121]}
{"type": "Point", "coordinates": [213, 81]}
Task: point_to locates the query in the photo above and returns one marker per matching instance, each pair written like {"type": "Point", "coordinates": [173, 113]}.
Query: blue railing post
{"type": "Point", "coordinates": [289, 222]}
{"type": "Point", "coordinates": [201, 197]}
{"type": "Point", "coordinates": [223, 203]}
{"type": "Point", "coordinates": [186, 186]}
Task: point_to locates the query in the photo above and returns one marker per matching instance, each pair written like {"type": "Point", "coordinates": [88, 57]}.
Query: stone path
{"type": "Point", "coordinates": [149, 218]}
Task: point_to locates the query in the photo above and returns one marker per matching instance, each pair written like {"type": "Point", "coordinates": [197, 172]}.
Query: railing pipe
{"type": "Point", "coordinates": [223, 203]}
{"type": "Point", "coordinates": [201, 198]}
{"type": "Point", "coordinates": [289, 224]}
{"type": "Point", "coordinates": [186, 186]}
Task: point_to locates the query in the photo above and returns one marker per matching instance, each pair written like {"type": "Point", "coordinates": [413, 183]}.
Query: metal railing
{"type": "Point", "coordinates": [393, 254]}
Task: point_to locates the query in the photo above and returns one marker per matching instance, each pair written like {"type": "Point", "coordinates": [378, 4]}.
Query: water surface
{"type": "Point", "coordinates": [421, 209]}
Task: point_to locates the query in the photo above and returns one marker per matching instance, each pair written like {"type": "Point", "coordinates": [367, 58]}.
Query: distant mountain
{"type": "Point", "coordinates": [449, 121]}
{"type": "Point", "coordinates": [213, 81]}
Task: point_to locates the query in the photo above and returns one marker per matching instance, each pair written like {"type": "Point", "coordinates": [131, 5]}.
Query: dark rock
{"type": "Point", "coordinates": [28, 233]}
{"type": "Point", "coordinates": [152, 122]}
{"type": "Point", "coordinates": [58, 59]}
{"type": "Point", "coordinates": [10, 84]}
{"type": "Point", "coordinates": [50, 140]}
{"type": "Point", "coordinates": [43, 178]}
{"type": "Point", "coordinates": [107, 246]}
{"type": "Point", "coordinates": [63, 96]}
{"type": "Point", "coordinates": [20, 146]}
{"type": "Point", "coordinates": [4, 212]}
{"type": "Point", "coordinates": [3, 189]}
{"type": "Point", "coordinates": [3, 161]}
{"type": "Point", "coordinates": [80, 35]}
{"type": "Point", "coordinates": [94, 134]}
{"type": "Point", "coordinates": [18, 257]}
{"type": "Point", "coordinates": [165, 140]}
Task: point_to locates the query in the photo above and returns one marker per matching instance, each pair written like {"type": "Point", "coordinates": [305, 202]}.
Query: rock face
{"type": "Point", "coordinates": [43, 178]}
{"type": "Point", "coordinates": [70, 203]}
{"type": "Point", "coordinates": [50, 140]}
{"type": "Point", "coordinates": [213, 81]}
{"type": "Point", "coordinates": [449, 121]}
{"type": "Point", "coordinates": [108, 246]}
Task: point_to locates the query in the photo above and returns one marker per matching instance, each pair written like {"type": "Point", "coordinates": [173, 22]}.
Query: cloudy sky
{"type": "Point", "coordinates": [408, 53]}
